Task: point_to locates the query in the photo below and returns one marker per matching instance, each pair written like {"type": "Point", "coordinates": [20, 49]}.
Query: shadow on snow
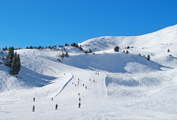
{"type": "Point", "coordinates": [34, 78]}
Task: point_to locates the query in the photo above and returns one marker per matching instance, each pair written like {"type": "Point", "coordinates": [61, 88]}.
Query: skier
{"type": "Point", "coordinates": [85, 87]}
{"type": "Point", "coordinates": [79, 99]}
{"type": "Point", "coordinates": [83, 84]}
{"type": "Point", "coordinates": [33, 108]}
{"type": "Point", "coordinates": [79, 105]}
{"type": "Point", "coordinates": [34, 99]}
{"type": "Point", "coordinates": [52, 99]}
{"type": "Point", "coordinates": [56, 106]}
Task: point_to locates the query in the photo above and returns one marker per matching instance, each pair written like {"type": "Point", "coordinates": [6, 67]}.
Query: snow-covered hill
{"type": "Point", "coordinates": [165, 36]}
{"type": "Point", "coordinates": [112, 85]}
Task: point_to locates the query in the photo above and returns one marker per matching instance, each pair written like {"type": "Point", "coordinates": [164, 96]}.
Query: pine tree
{"type": "Point", "coordinates": [15, 67]}
{"type": "Point", "coordinates": [86, 52]}
{"type": "Point", "coordinates": [73, 44]}
{"type": "Point", "coordinates": [90, 51]}
{"type": "Point", "coordinates": [10, 56]}
{"type": "Point", "coordinates": [66, 44]}
{"type": "Point", "coordinates": [66, 54]}
{"type": "Point", "coordinates": [39, 47]}
{"type": "Point", "coordinates": [18, 63]}
{"type": "Point", "coordinates": [116, 49]}
{"type": "Point", "coordinates": [62, 55]}
{"type": "Point", "coordinates": [148, 57]}
{"type": "Point", "coordinates": [80, 48]}
{"type": "Point", "coordinates": [31, 47]}
{"type": "Point", "coordinates": [127, 52]}
{"type": "Point", "coordinates": [5, 48]}
{"type": "Point", "coordinates": [77, 45]}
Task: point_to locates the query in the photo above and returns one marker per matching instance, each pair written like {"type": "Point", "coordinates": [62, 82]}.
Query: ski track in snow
{"type": "Point", "coordinates": [64, 86]}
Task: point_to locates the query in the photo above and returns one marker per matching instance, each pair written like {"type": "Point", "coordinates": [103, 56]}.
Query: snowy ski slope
{"type": "Point", "coordinates": [119, 86]}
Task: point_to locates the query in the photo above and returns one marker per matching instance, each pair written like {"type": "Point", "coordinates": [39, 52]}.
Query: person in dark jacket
{"type": "Point", "coordinates": [33, 99]}
{"type": "Point", "coordinates": [79, 105]}
{"type": "Point", "coordinates": [33, 108]}
{"type": "Point", "coordinates": [56, 106]}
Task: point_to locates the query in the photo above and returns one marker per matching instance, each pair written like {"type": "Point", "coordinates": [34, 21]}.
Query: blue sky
{"type": "Point", "coordinates": [56, 22]}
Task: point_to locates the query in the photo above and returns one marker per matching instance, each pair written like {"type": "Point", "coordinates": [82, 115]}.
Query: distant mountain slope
{"type": "Point", "coordinates": [165, 36]}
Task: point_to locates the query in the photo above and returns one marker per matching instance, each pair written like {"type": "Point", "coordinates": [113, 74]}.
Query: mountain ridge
{"type": "Point", "coordinates": [163, 36]}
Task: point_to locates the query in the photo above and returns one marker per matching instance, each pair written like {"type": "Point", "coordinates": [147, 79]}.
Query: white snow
{"type": "Point", "coordinates": [128, 86]}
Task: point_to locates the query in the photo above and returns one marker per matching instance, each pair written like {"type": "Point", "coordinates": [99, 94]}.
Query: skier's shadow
{"type": "Point", "coordinates": [5, 112]}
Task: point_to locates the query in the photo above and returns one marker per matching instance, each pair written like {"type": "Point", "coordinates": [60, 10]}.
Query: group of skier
{"type": "Point", "coordinates": [97, 73]}
{"type": "Point", "coordinates": [33, 108]}
{"type": "Point", "coordinates": [78, 84]}
{"type": "Point", "coordinates": [56, 106]}
{"type": "Point", "coordinates": [79, 105]}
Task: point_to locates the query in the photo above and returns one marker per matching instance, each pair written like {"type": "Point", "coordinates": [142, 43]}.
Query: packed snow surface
{"type": "Point", "coordinates": [111, 85]}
